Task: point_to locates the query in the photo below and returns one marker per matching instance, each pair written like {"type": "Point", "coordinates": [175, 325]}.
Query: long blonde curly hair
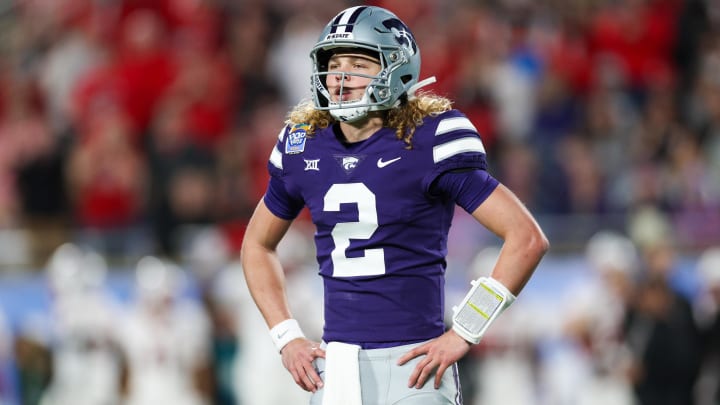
{"type": "Point", "coordinates": [404, 118]}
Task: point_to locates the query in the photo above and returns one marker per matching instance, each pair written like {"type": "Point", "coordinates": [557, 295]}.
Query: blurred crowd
{"type": "Point", "coordinates": [631, 331]}
{"type": "Point", "coordinates": [135, 134]}
{"type": "Point", "coordinates": [125, 124]}
{"type": "Point", "coordinates": [630, 321]}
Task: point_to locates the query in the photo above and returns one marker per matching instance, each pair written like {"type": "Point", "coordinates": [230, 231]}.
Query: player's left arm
{"type": "Point", "coordinates": [524, 244]}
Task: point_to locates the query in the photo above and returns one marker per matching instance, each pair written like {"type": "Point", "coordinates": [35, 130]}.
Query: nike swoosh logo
{"type": "Point", "coordinates": [381, 163]}
{"type": "Point", "coordinates": [280, 335]}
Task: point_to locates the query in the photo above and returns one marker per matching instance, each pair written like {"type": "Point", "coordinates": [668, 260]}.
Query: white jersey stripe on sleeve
{"type": "Point", "coordinates": [454, 124]}
{"type": "Point", "coordinates": [452, 148]}
{"type": "Point", "coordinates": [276, 158]}
{"type": "Point", "coordinates": [281, 134]}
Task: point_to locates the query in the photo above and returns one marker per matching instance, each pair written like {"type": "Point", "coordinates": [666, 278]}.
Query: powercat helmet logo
{"type": "Point", "coordinates": [402, 34]}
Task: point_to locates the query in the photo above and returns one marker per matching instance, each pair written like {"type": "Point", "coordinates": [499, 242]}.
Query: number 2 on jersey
{"type": "Point", "coordinates": [373, 263]}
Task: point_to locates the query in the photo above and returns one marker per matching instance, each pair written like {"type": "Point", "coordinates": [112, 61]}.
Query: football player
{"type": "Point", "coordinates": [380, 169]}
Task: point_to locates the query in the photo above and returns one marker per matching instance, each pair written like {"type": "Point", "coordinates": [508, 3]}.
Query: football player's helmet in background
{"type": "Point", "coordinates": [370, 30]}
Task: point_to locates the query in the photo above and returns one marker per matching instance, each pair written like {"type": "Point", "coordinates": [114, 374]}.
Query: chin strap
{"type": "Point", "coordinates": [417, 86]}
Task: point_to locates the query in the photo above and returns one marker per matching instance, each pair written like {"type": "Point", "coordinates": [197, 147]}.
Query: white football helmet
{"type": "Point", "coordinates": [373, 30]}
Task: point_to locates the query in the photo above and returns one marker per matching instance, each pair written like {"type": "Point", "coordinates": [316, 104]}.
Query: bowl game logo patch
{"type": "Point", "coordinates": [295, 142]}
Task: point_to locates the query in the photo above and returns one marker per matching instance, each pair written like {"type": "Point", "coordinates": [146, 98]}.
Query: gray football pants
{"type": "Point", "coordinates": [383, 382]}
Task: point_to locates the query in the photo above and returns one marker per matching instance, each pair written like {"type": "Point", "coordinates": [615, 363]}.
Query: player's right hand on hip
{"type": "Point", "coordinates": [298, 357]}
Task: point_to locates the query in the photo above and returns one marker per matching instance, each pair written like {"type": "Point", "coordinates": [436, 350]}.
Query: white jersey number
{"type": "Point", "coordinates": [373, 263]}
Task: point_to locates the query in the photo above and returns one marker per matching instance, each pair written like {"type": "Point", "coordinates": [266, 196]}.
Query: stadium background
{"type": "Point", "coordinates": [142, 128]}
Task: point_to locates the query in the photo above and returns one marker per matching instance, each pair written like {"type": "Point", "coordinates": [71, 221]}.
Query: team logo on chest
{"type": "Point", "coordinates": [348, 162]}
{"type": "Point", "coordinates": [295, 142]}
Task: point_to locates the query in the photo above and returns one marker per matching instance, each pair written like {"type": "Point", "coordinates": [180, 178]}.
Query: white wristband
{"type": "Point", "coordinates": [284, 332]}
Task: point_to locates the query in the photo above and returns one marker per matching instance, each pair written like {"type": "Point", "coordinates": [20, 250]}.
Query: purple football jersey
{"type": "Point", "coordinates": [381, 236]}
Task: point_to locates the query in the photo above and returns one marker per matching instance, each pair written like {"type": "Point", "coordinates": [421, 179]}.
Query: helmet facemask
{"type": "Point", "coordinates": [376, 96]}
